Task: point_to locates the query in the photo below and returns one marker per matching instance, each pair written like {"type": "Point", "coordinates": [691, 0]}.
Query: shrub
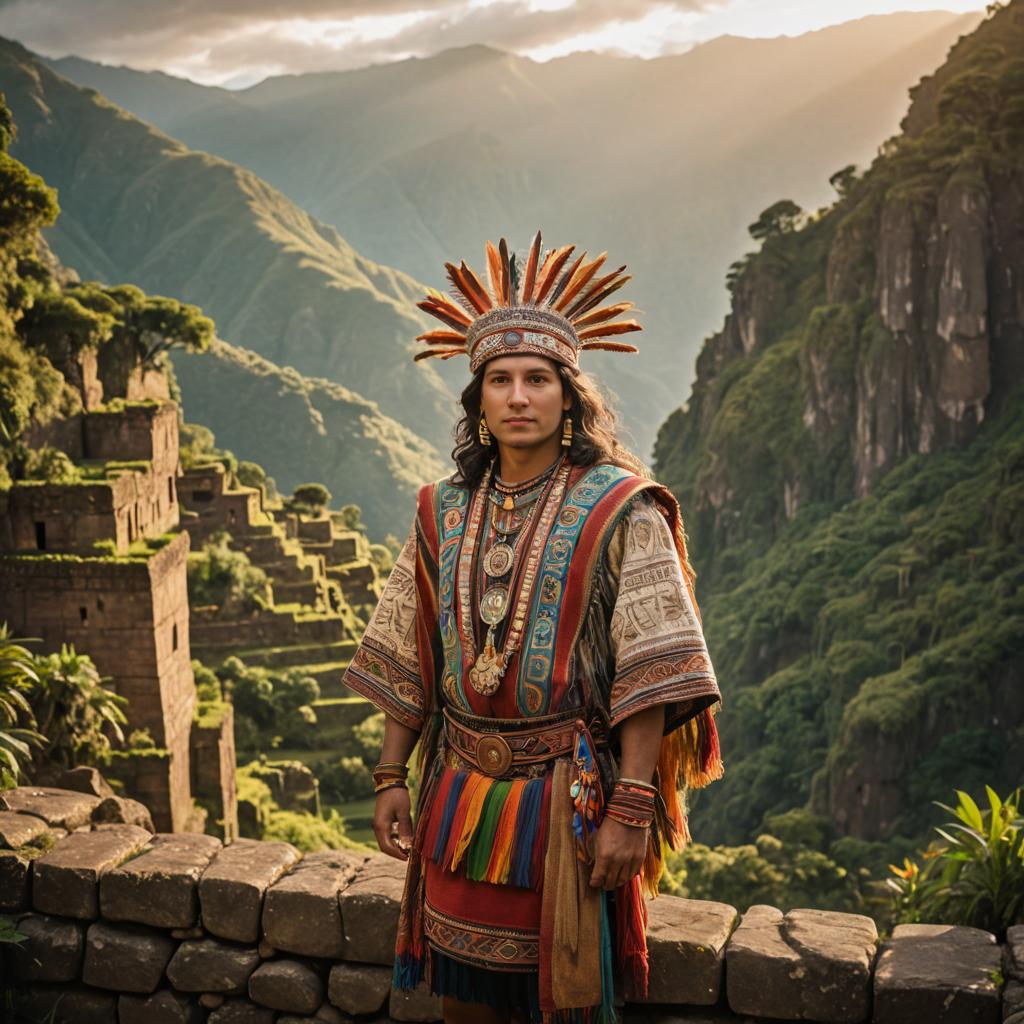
{"type": "Point", "coordinates": [219, 575]}
{"type": "Point", "coordinates": [973, 875]}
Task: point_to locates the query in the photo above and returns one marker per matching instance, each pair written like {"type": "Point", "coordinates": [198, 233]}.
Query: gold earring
{"type": "Point", "coordinates": [483, 432]}
{"type": "Point", "coordinates": [567, 432]}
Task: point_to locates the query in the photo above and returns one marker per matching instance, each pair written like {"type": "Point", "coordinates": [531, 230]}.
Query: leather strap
{"type": "Point", "coordinates": [494, 745]}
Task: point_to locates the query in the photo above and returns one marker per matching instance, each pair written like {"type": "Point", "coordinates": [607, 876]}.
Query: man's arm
{"type": "Point", "coordinates": [619, 849]}
{"type": "Point", "coordinates": [392, 805]}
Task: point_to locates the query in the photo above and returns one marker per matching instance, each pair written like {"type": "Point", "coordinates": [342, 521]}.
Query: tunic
{"type": "Point", "coordinates": [610, 629]}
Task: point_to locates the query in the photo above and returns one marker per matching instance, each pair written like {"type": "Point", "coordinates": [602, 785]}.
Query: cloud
{"type": "Point", "coordinates": [217, 40]}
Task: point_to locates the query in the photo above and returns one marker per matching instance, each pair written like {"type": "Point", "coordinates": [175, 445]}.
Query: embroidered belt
{"type": "Point", "coordinates": [495, 745]}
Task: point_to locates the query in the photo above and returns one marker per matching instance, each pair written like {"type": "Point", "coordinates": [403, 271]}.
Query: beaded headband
{"type": "Point", "coordinates": [551, 307]}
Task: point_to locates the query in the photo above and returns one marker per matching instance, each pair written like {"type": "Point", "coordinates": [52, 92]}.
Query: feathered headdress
{"type": "Point", "coordinates": [551, 307]}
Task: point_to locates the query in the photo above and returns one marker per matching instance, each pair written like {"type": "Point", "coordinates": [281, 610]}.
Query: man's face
{"type": "Point", "coordinates": [522, 400]}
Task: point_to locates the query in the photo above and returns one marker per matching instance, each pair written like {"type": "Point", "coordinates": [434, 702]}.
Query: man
{"type": "Point", "coordinates": [539, 639]}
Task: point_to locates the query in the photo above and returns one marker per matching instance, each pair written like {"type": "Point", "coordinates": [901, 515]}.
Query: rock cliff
{"type": "Point", "coordinates": [848, 425]}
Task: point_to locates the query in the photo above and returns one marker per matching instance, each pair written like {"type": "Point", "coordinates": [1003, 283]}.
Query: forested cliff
{"type": "Point", "coordinates": [851, 465]}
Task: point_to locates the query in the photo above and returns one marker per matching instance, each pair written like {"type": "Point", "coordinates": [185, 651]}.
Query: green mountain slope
{"type": "Point", "coordinates": [140, 207]}
{"type": "Point", "coordinates": [661, 162]}
{"type": "Point", "coordinates": [851, 463]}
{"type": "Point", "coordinates": [308, 429]}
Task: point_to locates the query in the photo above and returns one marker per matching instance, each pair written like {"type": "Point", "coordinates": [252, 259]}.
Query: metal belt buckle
{"type": "Point", "coordinates": [494, 755]}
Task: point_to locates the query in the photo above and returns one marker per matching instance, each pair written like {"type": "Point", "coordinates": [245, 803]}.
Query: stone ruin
{"type": "Point", "coordinates": [94, 563]}
{"type": "Point", "coordinates": [125, 926]}
{"type": "Point", "coordinates": [310, 623]}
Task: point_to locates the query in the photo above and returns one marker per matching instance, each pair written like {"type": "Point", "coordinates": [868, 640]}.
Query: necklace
{"type": "Point", "coordinates": [510, 492]}
{"type": "Point", "coordinates": [489, 665]}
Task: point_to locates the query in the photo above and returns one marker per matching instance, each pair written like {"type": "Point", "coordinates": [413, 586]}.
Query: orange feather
{"type": "Point", "coordinates": [599, 316]}
{"type": "Point", "coordinates": [446, 311]}
{"type": "Point", "coordinates": [604, 330]}
{"type": "Point", "coordinates": [494, 272]}
{"type": "Point", "coordinates": [436, 336]}
{"type": "Point", "coordinates": [432, 353]}
{"type": "Point", "coordinates": [458, 282]}
{"type": "Point", "coordinates": [476, 285]}
{"type": "Point", "coordinates": [530, 277]}
{"type": "Point", "coordinates": [579, 279]}
{"type": "Point", "coordinates": [610, 346]}
{"type": "Point", "coordinates": [583, 302]}
{"type": "Point", "coordinates": [597, 297]}
{"type": "Point", "coordinates": [565, 279]}
{"type": "Point", "coordinates": [552, 265]}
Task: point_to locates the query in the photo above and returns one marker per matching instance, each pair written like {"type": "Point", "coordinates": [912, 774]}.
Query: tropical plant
{"type": "Point", "coordinates": [17, 722]}
{"type": "Point", "coordinates": [974, 875]}
{"type": "Point", "coordinates": [76, 713]}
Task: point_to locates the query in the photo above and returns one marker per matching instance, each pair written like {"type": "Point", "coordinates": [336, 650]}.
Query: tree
{"type": "Point", "coordinates": [311, 498]}
{"type": "Point", "coordinates": [149, 324]}
{"type": "Point", "coordinates": [780, 218]}
{"type": "Point", "coordinates": [26, 202]}
{"type": "Point", "coordinates": [844, 180]}
{"type": "Point", "coordinates": [351, 516]}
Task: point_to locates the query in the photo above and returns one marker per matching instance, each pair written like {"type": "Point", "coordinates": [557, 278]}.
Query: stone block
{"type": "Point", "coordinates": [14, 881]}
{"type": "Point", "coordinates": [84, 779]}
{"type": "Point", "coordinates": [65, 880]}
{"type": "Point", "coordinates": [241, 1011]}
{"type": "Point", "coordinates": [60, 807]}
{"type": "Point", "coordinates": [359, 988]}
{"type": "Point", "coordinates": [125, 957]}
{"type": "Point", "coordinates": [943, 974]}
{"type": "Point", "coordinates": [123, 810]}
{"type": "Point", "coordinates": [804, 965]}
{"type": "Point", "coordinates": [286, 985]}
{"type": "Point", "coordinates": [1013, 997]}
{"type": "Point", "coordinates": [418, 1005]}
{"type": "Point", "coordinates": [212, 965]}
{"type": "Point", "coordinates": [163, 1007]}
{"type": "Point", "coordinates": [370, 905]}
{"type": "Point", "coordinates": [51, 951]}
{"type": "Point", "coordinates": [301, 912]}
{"type": "Point", "coordinates": [1013, 955]}
{"type": "Point", "coordinates": [686, 948]}
{"type": "Point", "coordinates": [232, 888]}
{"type": "Point", "coordinates": [67, 1005]}
{"type": "Point", "coordinates": [160, 887]}
{"type": "Point", "coordinates": [18, 829]}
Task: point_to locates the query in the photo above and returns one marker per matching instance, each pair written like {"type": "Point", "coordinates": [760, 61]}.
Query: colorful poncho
{"type": "Point", "coordinates": [497, 908]}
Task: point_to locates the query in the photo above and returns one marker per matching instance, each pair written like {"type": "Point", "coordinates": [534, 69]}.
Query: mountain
{"type": "Point", "coordinates": [851, 466]}
{"type": "Point", "coordinates": [662, 162]}
{"type": "Point", "coordinates": [141, 207]}
{"type": "Point", "coordinates": [306, 429]}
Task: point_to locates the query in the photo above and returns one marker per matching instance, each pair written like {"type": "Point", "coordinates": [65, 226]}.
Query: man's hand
{"type": "Point", "coordinates": [392, 814]}
{"type": "Point", "coordinates": [619, 852]}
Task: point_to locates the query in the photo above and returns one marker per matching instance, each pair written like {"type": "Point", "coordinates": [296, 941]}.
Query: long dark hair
{"type": "Point", "coordinates": [594, 438]}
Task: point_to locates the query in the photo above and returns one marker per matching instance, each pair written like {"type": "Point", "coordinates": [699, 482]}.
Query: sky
{"type": "Point", "coordinates": [236, 43]}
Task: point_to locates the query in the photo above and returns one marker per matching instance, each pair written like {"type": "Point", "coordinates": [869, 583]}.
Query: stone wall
{"type": "Point", "coordinates": [131, 618]}
{"type": "Point", "coordinates": [132, 502]}
{"type": "Point", "coordinates": [127, 927]}
{"type": "Point", "coordinates": [212, 762]}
